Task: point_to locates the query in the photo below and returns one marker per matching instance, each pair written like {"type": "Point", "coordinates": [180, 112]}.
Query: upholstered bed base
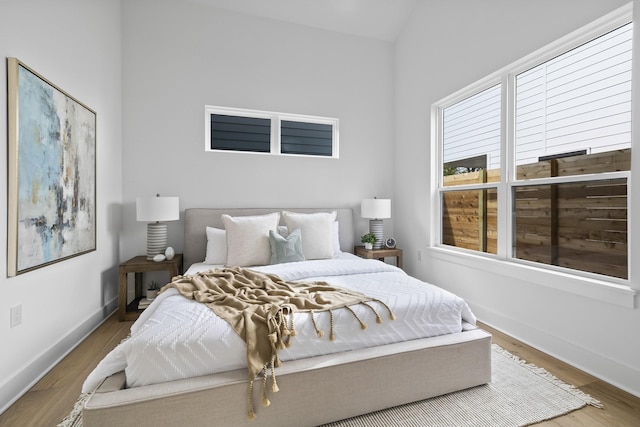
{"type": "Point", "coordinates": [312, 391]}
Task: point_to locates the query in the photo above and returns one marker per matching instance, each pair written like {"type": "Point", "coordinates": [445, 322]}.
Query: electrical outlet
{"type": "Point", "coordinates": [16, 315]}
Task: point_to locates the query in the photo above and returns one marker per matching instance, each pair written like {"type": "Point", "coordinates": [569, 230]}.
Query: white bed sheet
{"type": "Point", "coordinates": [177, 338]}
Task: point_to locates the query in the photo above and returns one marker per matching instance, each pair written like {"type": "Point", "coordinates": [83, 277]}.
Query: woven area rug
{"type": "Point", "coordinates": [519, 394]}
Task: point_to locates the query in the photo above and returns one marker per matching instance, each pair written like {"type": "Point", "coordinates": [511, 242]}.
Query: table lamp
{"type": "Point", "coordinates": [376, 210]}
{"type": "Point", "coordinates": [153, 210]}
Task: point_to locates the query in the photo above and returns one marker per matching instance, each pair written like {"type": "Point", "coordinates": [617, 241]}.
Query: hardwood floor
{"type": "Point", "coordinates": [51, 399]}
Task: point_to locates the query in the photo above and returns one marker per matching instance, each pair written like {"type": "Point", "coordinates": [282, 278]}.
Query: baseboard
{"type": "Point", "coordinates": [22, 381]}
{"type": "Point", "coordinates": [624, 377]}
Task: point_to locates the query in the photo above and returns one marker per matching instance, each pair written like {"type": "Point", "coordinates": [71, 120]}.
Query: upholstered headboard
{"type": "Point", "coordinates": [197, 219]}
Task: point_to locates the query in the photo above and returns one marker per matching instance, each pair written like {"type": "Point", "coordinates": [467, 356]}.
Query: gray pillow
{"type": "Point", "coordinates": [286, 249]}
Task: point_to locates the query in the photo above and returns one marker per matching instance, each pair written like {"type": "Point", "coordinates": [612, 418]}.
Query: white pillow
{"type": "Point", "coordinates": [284, 232]}
{"type": "Point", "coordinates": [336, 238]}
{"type": "Point", "coordinates": [216, 246]}
{"type": "Point", "coordinates": [317, 232]}
{"type": "Point", "coordinates": [248, 239]}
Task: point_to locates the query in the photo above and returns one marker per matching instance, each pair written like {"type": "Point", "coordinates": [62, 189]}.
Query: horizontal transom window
{"type": "Point", "coordinates": [254, 131]}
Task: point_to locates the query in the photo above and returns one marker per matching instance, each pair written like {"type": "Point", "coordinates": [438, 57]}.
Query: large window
{"type": "Point", "coordinates": [534, 161]}
{"type": "Point", "coordinates": [253, 131]}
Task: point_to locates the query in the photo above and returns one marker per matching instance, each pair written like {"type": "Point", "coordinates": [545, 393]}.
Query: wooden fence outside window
{"type": "Point", "coordinates": [579, 225]}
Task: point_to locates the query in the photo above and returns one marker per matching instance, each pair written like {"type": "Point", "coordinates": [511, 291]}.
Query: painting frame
{"type": "Point", "coordinates": [51, 172]}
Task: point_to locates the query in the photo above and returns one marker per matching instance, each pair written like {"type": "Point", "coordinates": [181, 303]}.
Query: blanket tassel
{"type": "Point", "coordinates": [378, 318]}
{"type": "Point", "coordinates": [274, 383]}
{"type": "Point", "coordinates": [362, 324]}
{"type": "Point", "coordinates": [252, 413]}
{"type": "Point", "coordinates": [391, 315]}
{"type": "Point", "coordinates": [332, 334]}
{"type": "Point", "coordinates": [319, 331]}
{"type": "Point", "coordinates": [265, 400]}
{"type": "Point", "coordinates": [292, 327]}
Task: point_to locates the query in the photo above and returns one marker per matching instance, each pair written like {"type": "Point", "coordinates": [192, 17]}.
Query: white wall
{"type": "Point", "coordinates": [446, 46]}
{"type": "Point", "coordinates": [180, 56]}
{"type": "Point", "coordinates": [76, 45]}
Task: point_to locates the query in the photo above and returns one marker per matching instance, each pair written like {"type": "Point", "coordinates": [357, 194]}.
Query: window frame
{"type": "Point", "coordinates": [276, 120]}
{"type": "Point", "coordinates": [549, 275]}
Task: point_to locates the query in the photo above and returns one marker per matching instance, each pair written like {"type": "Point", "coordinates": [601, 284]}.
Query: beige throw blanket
{"type": "Point", "coordinates": [260, 309]}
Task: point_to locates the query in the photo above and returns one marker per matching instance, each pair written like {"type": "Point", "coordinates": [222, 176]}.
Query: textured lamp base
{"type": "Point", "coordinates": [156, 239]}
{"type": "Point", "coordinates": [376, 227]}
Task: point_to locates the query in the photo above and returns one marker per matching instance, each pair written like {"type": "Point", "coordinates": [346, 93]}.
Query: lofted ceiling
{"type": "Point", "coordinates": [377, 19]}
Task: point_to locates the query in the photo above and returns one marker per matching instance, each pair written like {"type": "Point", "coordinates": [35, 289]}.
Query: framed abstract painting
{"type": "Point", "coordinates": [51, 172]}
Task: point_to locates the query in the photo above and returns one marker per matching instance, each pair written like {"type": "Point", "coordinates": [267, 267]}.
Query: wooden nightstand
{"type": "Point", "coordinates": [139, 265]}
{"type": "Point", "coordinates": [379, 254]}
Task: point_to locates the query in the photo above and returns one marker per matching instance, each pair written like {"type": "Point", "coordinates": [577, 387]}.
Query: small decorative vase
{"type": "Point", "coordinates": [368, 246]}
{"type": "Point", "coordinates": [152, 294]}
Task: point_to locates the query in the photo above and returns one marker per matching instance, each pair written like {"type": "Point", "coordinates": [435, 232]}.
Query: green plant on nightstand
{"type": "Point", "coordinates": [152, 289]}
{"type": "Point", "coordinates": [368, 239]}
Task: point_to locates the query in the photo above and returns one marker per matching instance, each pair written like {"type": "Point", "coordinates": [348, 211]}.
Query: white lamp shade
{"type": "Point", "coordinates": [152, 209]}
{"type": "Point", "coordinates": [376, 208]}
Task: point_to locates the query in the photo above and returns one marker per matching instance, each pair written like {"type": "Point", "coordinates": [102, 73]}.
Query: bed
{"type": "Point", "coordinates": [320, 381]}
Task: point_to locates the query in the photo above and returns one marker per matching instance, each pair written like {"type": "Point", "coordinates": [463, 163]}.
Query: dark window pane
{"type": "Point", "coordinates": [306, 138]}
{"type": "Point", "coordinates": [240, 133]}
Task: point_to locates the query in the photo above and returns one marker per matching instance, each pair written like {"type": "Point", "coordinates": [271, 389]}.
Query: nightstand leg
{"type": "Point", "coordinates": [138, 285]}
{"type": "Point", "coordinates": [122, 294]}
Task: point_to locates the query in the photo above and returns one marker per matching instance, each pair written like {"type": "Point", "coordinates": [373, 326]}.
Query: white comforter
{"type": "Point", "coordinates": [177, 338]}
